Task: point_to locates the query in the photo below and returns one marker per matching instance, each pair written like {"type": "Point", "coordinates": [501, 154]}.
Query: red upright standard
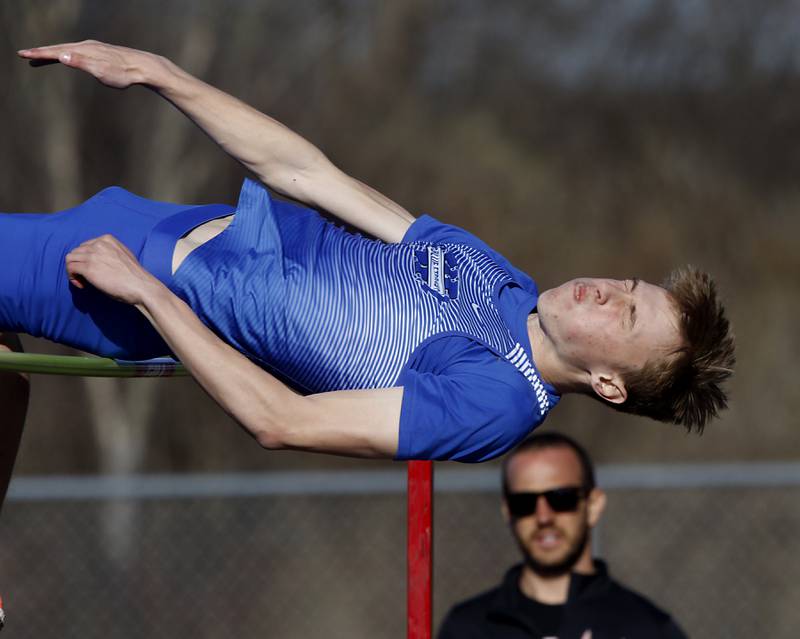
{"type": "Point", "coordinates": [420, 548]}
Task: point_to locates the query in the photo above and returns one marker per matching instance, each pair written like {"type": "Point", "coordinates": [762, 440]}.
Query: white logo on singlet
{"type": "Point", "coordinates": [436, 269]}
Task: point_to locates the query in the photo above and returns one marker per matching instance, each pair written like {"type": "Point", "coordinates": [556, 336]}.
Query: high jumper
{"type": "Point", "coordinates": [423, 343]}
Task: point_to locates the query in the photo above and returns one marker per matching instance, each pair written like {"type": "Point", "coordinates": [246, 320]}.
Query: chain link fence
{"type": "Point", "coordinates": [307, 555]}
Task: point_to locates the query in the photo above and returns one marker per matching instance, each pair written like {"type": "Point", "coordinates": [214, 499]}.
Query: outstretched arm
{"type": "Point", "coordinates": [362, 423]}
{"type": "Point", "coordinates": [282, 159]}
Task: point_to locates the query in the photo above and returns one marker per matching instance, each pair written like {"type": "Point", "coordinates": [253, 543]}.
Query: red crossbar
{"type": "Point", "coordinates": [420, 547]}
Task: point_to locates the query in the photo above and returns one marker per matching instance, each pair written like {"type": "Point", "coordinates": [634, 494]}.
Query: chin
{"type": "Point", "coordinates": [547, 308]}
{"type": "Point", "coordinates": [545, 301]}
{"type": "Point", "coordinates": [550, 566]}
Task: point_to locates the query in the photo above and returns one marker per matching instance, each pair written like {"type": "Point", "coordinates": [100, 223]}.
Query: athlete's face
{"type": "Point", "coordinates": [552, 542]}
{"type": "Point", "coordinates": [609, 325]}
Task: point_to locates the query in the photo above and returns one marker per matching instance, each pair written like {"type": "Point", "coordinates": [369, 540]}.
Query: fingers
{"type": "Point", "coordinates": [114, 66]}
{"type": "Point", "coordinates": [74, 274]}
{"type": "Point", "coordinates": [62, 54]}
{"type": "Point", "coordinates": [38, 53]}
{"type": "Point", "coordinates": [72, 54]}
{"type": "Point", "coordinates": [103, 247]}
{"type": "Point", "coordinates": [83, 270]}
{"type": "Point", "coordinates": [111, 268]}
{"type": "Point", "coordinates": [51, 54]}
{"type": "Point", "coordinates": [98, 247]}
{"type": "Point", "coordinates": [106, 253]}
{"type": "Point", "coordinates": [54, 51]}
{"type": "Point", "coordinates": [77, 264]}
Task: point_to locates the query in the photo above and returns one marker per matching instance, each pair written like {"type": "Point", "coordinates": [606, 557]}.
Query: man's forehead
{"type": "Point", "coordinates": [543, 468]}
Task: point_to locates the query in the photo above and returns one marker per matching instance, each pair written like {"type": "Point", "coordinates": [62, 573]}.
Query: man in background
{"type": "Point", "coordinates": [551, 503]}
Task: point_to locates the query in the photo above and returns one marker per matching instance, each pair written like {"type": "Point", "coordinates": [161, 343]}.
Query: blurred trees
{"type": "Point", "coordinates": [576, 137]}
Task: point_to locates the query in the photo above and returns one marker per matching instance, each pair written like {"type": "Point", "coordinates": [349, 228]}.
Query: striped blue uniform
{"type": "Point", "coordinates": [440, 314]}
{"type": "Point", "coordinates": [332, 310]}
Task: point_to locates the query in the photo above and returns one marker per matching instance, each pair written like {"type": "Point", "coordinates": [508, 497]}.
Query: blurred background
{"type": "Point", "coordinates": [575, 137]}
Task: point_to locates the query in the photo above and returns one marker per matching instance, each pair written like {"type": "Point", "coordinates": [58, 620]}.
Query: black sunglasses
{"type": "Point", "coordinates": [561, 500]}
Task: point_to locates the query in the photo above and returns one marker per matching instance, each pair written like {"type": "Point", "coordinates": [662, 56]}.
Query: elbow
{"type": "Point", "coordinates": [278, 430]}
{"type": "Point", "coordinates": [262, 419]}
{"type": "Point", "coordinates": [279, 425]}
{"type": "Point", "coordinates": [271, 436]}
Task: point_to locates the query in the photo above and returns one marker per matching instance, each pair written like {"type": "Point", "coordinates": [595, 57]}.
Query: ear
{"type": "Point", "coordinates": [597, 504]}
{"type": "Point", "coordinates": [610, 387]}
{"type": "Point", "coordinates": [504, 511]}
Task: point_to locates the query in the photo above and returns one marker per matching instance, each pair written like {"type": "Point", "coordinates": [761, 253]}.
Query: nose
{"type": "Point", "coordinates": [600, 293]}
{"type": "Point", "coordinates": [544, 514]}
{"type": "Point", "coordinates": [608, 290]}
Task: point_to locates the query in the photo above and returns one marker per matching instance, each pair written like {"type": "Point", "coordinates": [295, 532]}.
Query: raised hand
{"type": "Point", "coordinates": [114, 66]}
{"type": "Point", "coordinates": [109, 266]}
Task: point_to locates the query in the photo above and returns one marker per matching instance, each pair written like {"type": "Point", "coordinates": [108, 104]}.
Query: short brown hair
{"type": "Point", "coordinates": [685, 387]}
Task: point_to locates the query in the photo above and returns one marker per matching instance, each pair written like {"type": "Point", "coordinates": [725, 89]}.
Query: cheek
{"type": "Point", "coordinates": [590, 342]}
{"type": "Point", "coordinates": [524, 528]}
{"type": "Point", "coordinates": [595, 327]}
{"type": "Point", "coordinates": [581, 330]}
{"type": "Point", "coordinates": [572, 522]}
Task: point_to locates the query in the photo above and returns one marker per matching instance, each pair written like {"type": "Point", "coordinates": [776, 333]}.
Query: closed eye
{"type": "Point", "coordinates": [632, 316]}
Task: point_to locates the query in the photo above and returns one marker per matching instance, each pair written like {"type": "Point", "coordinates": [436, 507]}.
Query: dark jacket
{"type": "Point", "coordinates": [594, 602]}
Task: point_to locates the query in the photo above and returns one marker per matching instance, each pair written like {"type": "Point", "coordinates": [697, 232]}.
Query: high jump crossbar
{"type": "Point", "coordinates": [87, 366]}
{"type": "Point", "coordinates": [419, 545]}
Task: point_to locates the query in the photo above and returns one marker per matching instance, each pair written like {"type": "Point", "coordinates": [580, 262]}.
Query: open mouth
{"type": "Point", "coordinates": [548, 540]}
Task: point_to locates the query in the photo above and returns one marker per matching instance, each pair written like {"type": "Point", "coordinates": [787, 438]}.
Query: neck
{"type": "Point", "coordinates": [553, 589]}
{"type": "Point", "coordinates": [552, 369]}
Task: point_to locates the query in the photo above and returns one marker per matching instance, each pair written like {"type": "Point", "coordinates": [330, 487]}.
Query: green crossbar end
{"type": "Point", "coordinates": [86, 366]}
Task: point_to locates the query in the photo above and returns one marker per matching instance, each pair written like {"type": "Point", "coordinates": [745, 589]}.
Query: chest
{"type": "Point", "coordinates": [461, 285]}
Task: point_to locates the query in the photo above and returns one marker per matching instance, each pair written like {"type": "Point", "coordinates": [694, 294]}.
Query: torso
{"type": "Point", "coordinates": [331, 310]}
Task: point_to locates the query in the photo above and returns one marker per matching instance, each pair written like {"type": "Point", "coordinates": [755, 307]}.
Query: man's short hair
{"type": "Point", "coordinates": [553, 439]}
{"type": "Point", "coordinates": [686, 386]}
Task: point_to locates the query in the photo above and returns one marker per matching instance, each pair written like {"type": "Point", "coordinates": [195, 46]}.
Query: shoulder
{"type": "Point", "coordinates": [629, 597]}
{"type": "Point", "coordinates": [477, 605]}
{"type": "Point", "coordinates": [639, 609]}
{"type": "Point", "coordinates": [429, 229]}
{"type": "Point", "coordinates": [469, 617]}
{"type": "Point", "coordinates": [468, 405]}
